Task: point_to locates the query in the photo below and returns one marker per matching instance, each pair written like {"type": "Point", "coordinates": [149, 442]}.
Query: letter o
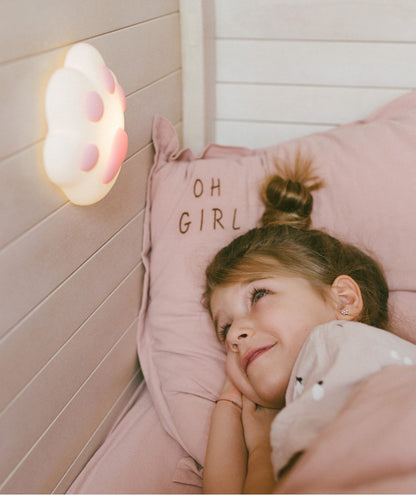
{"type": "Point", "coordinates": [198, 184]}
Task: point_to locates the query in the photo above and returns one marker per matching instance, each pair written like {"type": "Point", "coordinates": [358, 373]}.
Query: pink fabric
{"type": "Point", "coordinates": [370, 447]}
{"type": "Point", "coordinates": [197, 204]}
{"type": "Point", "coordinates": [323, 379]}
{"type": "Point", "coordinates": [139, 457]}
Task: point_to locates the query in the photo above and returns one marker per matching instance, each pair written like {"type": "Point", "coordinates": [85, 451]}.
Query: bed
{"type": "Point", "coordinates": [310, 66]}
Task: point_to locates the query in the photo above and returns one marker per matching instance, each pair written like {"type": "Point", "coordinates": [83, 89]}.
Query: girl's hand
{"type": "Point", "coordinates": [257, 422]}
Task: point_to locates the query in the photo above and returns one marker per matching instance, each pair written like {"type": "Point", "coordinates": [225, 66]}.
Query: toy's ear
{"type": "Point", "coordinates": [348, 298]}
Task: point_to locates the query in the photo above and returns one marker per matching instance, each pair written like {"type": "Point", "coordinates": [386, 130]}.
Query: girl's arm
{"type": "Point", "coordinates": [257, 423]}
{"type": "Point", "coordinates": [226, 457]}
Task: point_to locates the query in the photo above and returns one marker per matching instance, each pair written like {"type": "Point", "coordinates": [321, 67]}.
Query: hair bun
{"type": "Point", "coordinates": [287, 195]}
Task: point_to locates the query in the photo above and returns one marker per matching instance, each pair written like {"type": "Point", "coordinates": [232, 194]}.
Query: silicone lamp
{"type": "Point", "coordinates": [86, 143]}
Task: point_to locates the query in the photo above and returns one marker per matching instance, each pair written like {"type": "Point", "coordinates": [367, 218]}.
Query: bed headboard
{"type": "Point", "coordinates": [70, 275]}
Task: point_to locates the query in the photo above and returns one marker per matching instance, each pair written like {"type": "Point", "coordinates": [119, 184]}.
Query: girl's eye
{"type": "Point", "coordinates": [257, 294]}
{"type": "Point", "coordinates": [222, 333]}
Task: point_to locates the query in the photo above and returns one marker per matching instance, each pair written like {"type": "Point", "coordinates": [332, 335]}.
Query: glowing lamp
{"type": "Point", "coordinates": [86, 143]}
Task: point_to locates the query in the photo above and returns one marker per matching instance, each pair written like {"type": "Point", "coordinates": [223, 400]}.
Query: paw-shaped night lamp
{"type": "Point", "coordinates": [86, 142]}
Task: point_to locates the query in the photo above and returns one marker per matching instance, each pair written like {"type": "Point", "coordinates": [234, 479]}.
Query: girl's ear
{"type": "Point", "coordinates": [348, 298]}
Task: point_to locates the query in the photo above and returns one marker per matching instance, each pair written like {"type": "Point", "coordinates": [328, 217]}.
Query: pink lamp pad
{"type": "Point", "coordinates": [94, 106]}
{"type": "Point", "coordinates": [117, 155]}
{"type": "Point", "coordinates": [89, 157]}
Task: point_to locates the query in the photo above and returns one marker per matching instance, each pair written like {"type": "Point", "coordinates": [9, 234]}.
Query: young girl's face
{"type": "Point", "coordinates": [263, 325]}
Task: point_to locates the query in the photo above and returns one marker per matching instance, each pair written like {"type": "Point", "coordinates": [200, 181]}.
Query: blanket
{"type": "Point", "coordinates": [352, 416]}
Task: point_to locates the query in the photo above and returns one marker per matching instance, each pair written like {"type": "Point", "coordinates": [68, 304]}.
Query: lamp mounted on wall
{"type": "Point", "coordinates": [86, 143]}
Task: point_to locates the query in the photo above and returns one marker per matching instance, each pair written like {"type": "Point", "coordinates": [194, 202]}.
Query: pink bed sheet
{"type": "Point", "coordinates": [138, 456]}
{"type": "Point", "coordinates": [370, 447]}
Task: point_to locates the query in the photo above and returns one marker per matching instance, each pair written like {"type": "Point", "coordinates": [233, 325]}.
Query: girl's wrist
{"type": "Point", "coordinates": [232, 401]}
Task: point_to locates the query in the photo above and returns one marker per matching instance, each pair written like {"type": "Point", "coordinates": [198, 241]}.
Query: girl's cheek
{"type": "Point", "coordinates": [233, 369]}
{"type": "Point", "coordinates": [229, 367]}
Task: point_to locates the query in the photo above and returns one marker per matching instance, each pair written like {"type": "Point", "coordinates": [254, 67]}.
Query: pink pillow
{"type": "Point", "coordinates": [198, 204]}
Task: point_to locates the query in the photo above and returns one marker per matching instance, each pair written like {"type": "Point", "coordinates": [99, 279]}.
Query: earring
{"type": "Point", "coordinates": [345, 311]}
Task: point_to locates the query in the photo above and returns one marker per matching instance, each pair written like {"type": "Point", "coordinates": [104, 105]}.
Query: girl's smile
{"type": "Point", "coordinates": [263, 325]}
{"type": "Point", "coordinates": [254, 354]}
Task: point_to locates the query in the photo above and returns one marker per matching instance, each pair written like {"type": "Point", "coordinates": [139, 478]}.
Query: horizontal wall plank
{"type": "Point", "coordinates": [39, 261]}
{"type": "Point", "coordinates": [22, 100]}
{"type": "Point", "coordinates": [26, 194]}
{"type": "Point", "coordinates": [163, 97]}
{"type": "Point", "coordinates": [41, 402]}
{"type": "Point", "coordinates": [317, 63]}
{"type": "Point", "coordinates": [128, 54]}
{"type": "Point", "coordinates": [100, 433]}
{"type": "Point", "coordinates": [372, 20]}
{"type": "Point", "coordinates": [60, 444]}
{"type": "Point", "coordinates": [48, 24]}
{"type": "Point", "coordinates": [24, 82]}
{"type": "Point", "coordinates": [299, 104]}
{"type": "Point", "coordinates": [30, 345]}
{"type": "Point", "coordinates": [261, 134]}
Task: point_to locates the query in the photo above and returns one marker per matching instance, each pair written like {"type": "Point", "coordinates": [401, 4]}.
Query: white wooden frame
{"type": "Point", "coordinates": [198, 72]}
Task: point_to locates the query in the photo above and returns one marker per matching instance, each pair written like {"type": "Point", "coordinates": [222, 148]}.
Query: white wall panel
{"type": "Point", "coordinates": [284, 67]}
{"type": "Point", "coordinates": [259, 134]}
{"type": "Point", "coordinates": [47, 461]}
{"type": "Point", "coordinates": [39, 336]}
{"type": "Point", "coordinates": [299, 104]}
{"type": "Point", "coordinates": [371, 20]}
{"type": "Point", "coordinates": [30, 27]}
{"type": "Point", "coordinates": [36, 407]}
{"type": "Point", "coordinates": [317, 63]}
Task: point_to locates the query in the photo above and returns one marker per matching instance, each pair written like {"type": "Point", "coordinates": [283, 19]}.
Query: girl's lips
{"type": "Point", "coordinates": [254, 354]}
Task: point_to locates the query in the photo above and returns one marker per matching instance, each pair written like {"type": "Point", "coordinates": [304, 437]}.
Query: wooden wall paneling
{"type": "Point", "coordinates": [36, 407]}
{"type": "Point", "coordinates": [299, 104]}
{"type": "Point", "coordinates": [47, 461]}
{"type": "Point", "coordinates": [260, 134]}
{"type": "Point", "coordinates": [142, 54]}
{"type": "Point", "coordinates": [47, 24]}
{"type": "Point", "coordinates": [353, 20]}
{"type": "Point", "coordinates": [24, 84]}
{"type": "Point", "coordinates": [321, 47]}
{"type": "Point", "coordinates": [163, 97]}
{"type": "Point", "coordinates": [26, 194]}
{"type": "Point", "coordinates": [316, 63]}
{"type": "Point", "coordinates": [72, 276]}
{"type": "Point", "coordinates": [30, 345]}
{"type": "Point", "coordinates": [106, 426]}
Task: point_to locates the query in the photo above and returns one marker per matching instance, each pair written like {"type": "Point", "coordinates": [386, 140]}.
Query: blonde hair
{"type": "Point", "coordinates": [285, 244]}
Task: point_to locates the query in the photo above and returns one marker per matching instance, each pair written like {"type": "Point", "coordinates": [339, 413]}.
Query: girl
{"type": "Point", "coordinates": [282, 297]}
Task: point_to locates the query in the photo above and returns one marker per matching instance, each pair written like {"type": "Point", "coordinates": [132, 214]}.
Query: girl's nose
{"type": "Point", "coordinates": [236, 335]}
